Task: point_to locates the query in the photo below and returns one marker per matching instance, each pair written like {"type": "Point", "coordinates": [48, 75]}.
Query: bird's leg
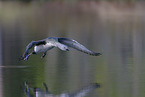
{"type": "Point", "coordinates": [44, 54]}
{"type": "Point", "coordinates": [26, 58]}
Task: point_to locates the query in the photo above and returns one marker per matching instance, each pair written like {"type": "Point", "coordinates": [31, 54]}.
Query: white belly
{"type": "Point", "coordinates": [43, 48]}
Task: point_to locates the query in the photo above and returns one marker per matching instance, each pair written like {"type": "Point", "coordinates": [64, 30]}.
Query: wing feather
{"type": "Point", "coordinates": [30, 45]}
{"type": "Point", "coordinates": [74, 44]}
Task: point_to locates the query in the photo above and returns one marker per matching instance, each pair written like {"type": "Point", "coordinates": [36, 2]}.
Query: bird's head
{"type": "Point", "coordinates": [64, 48]}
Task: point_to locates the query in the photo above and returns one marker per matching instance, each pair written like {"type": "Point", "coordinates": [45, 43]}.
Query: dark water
{"type": "Point", "coordinates": [115, 30]}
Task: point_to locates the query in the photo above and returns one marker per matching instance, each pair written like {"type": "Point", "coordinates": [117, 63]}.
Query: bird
{"type": "Point", "coordinates": [42, 46]}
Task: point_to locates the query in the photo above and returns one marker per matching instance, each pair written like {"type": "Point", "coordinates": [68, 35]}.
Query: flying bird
{"type": "Point", "coordinates": [42, 46]}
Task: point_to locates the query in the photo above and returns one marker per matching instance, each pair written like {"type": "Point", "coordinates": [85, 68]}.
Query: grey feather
{"type": "Point", "coordinates": [50, 42]}
{"type": "Point", "coordinates": [30, 45]}
{"type": "Point", "coordinates": [74, 44]}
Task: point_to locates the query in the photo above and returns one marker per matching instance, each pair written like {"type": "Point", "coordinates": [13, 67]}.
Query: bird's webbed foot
{"type": "Point", "coordinates": [44, 54]}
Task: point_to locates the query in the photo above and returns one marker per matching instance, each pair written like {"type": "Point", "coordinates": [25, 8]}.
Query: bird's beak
{"type": "Point", "coordinates": [67, 49]}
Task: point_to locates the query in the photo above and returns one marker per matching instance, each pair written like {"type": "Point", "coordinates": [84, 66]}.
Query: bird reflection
{"type": "Point", "coordinates": [27, 90]}
{"type": "Point", "coordinates": [45, 93]}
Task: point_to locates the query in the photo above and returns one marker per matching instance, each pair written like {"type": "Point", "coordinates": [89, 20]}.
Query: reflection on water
{"type": "Point", "coordinates": [116, 30]}
{"type": "Point", "coordinates": [14, 66]}
{"type": "Point", "coordinates": [45, 93]}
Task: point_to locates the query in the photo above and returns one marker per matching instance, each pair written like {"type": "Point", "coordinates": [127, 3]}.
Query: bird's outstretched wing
{"type": "Point", "coordinates": [85, 90]}
{"type": "Point", "coordinates": [30, 45]}
{"type": "Point", "coordinates": [74, 44]}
